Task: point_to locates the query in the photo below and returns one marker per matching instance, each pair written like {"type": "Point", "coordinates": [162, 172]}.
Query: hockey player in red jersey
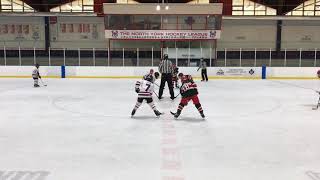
{"type": "Point", "coordinates": [145, 89]}
{"type": "Point", "coordinates": [188, 92]}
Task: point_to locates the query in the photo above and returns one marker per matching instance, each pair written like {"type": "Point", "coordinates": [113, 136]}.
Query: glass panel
{"type": "Point", "coordinates": [297, 13]}
{"type": "Point", "coordinates": [247, 57]}
{"type": "Point", "coordinates": [42, 58]}
{"type": "Point", "coordinates": [169, 22]}
{"type": "Point", "coordinates": [237, 8]}
{"type": "Point", "coordinates": [139, 22]}
{"type": "Point", "coordinates": [169, 44]}
{"type": "Point", "coordinates": [154, 22]}
{"type": "Point", "coordinates": [259, 7]}
{"type": "Point", "coordinates": [101, 57]}
{"type": "Point", "coordinates": [248, 12]}
{"type": "Point", "coordinates": [271, 12]}
{"type": "Point", "coordinates": [260, 13]}
{"type": "Point", "coordinates": [75, 6]}
{"type": "Point", "coordinates": [120, 21]}
{"type": "Point", "coordinates": [308, 13]}
{"type": "Point", "coordinates": [199, 22]}
{"type": "Point", "coordinates": [2, 61]}
{"type": "Point", "coordinates": [72, 57]}
{"type": "Point", "coordinates": [56, 57]}
{"type": "Point", "coordinates": [116, 57]}
{"type": "Point", "coordinates": [27, 57]}
{"type": "Point", "coordinates": [195, 44]}
{"type": "Point", "coordinates": [130, 57]}
{"type": "Point", "coordinates": [310, 2]}
{"type": "Point", "coordinates": [12, 57]}
{"type": "Point", "coordinates": [237, 2]}
{"type": "Point", "coordinates": [214, 22]}
{"type": "Point", "coordinates": [145, 57]}
{"type": "Point", "coordinates": [248, 5]}
{"type": "Point", "coordinates": [309, 7]}
{"type": "Point", "coordinates": [86, 57]}
{"type": "Point", "coordinates": [237, 13]}
{"type": "Point", "coordinates": [185, 22]}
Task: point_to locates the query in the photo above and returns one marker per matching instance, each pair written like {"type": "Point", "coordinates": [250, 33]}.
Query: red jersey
{"type": "Point", "coordinates": [188, 89]}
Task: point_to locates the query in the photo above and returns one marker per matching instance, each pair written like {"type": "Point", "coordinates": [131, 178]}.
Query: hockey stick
{"type": "Point", "coordinates": [42, 82]}
{"type": "Point", "coordinates": [156, 94]}
{"type": "Point", "coordinates": [157, 84]}
{"type": "Point", "coordinates": [177, 95]}
{"type": "Point", "coordinates": [315, 108]}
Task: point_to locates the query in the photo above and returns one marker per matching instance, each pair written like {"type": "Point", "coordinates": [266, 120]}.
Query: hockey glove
{"type": "Point", "coordinates": [137, 90]}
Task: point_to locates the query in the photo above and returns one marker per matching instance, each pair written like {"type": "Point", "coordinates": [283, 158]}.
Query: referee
{"type": "Point", "coordinates": [166, 70]}
{"type": "Point", "coordinates": [203, 67]}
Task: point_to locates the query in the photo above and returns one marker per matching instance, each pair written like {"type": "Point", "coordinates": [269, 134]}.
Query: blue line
{"type": "Point", "coordinates": [264, 72]}
{"type": "Point", "coordinates": [63, 72]}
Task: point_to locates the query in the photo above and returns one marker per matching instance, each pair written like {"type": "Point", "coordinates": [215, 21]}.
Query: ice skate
{"type": "Point", "coordinates": [202, 115]}
{"type": "Point", "coordinates": [176, 115]}
{"type": "Point", "coordinates": [157, 113]}
{"type": "Point", "coordinates": [133, 112]}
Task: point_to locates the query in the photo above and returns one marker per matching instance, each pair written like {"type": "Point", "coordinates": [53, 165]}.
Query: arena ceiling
{"type": "Point", "coordinates": [282, 6]}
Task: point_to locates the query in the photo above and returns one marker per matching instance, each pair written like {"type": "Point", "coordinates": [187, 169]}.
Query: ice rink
{"type": "Point", "coordinates": [81, 129]}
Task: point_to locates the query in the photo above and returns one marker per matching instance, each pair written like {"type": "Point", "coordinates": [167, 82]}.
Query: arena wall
{"type": "Point", "coordinates": [300, 34]}
{"type": "Point", "coordinates": [248, 34]}
{"type": "Point", "coordinates": [72, 33]}
{"type": "Point", "coordinates": [78, 32]}
{"type": "Point", "coordinates": [138, 72]}
{"type": "Point", "coordinates": [26, 32]}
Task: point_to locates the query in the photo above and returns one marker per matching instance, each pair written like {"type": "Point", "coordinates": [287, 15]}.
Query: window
{"type": "Point", "coordinates": [169, 22]}
{"type": "Point", "coordinates": [75, 6]}
{"type": "Point", "coordinates": [247, 7]}
{"type": "Point", "coordinates": [14, 6]}
{"type": "Point", "coordinates": [308, 8]}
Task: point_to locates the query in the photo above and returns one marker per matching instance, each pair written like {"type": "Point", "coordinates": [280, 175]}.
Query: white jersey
{"type": "Point", "coordinates": [146, 89]}
{"type": "Point", "coordinates": [35, 73]}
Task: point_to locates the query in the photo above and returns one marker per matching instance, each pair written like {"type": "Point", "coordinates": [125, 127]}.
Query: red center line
{"type": "Point", "coordinates": [171, 167]}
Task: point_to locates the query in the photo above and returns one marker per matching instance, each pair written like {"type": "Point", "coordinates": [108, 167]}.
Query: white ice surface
{"type": "Point", "coordinates": [80, 129]}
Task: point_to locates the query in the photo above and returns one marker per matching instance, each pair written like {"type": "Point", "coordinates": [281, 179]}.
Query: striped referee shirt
{"type": "Point", "coordinates": [165, 66]}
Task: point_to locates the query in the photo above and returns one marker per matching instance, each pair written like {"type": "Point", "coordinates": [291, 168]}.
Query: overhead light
{"type": "Point", "coordinates": [167, 7]}
{"type": "Point", "coordinates": [158, 7]}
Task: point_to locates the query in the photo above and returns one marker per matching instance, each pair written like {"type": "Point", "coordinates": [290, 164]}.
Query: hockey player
{"type": "Point", "coordinates": [188, 92]}
{"type": "Point", "coordinates": [318, 73]}
{"type": "Point", "coordinates": [145, 90]}
{"type": "Point", "coordinates": [175, 76]}
{"type": "Point", "coordinates": [36, 75]}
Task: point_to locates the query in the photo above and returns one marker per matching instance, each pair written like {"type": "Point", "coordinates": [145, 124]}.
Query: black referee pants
{"type": "Point", "coordinates": [204, 75]}
{"type": "Point", "coordinates": [166, 77]}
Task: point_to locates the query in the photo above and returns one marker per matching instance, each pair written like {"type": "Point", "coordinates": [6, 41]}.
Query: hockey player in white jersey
{"type": "Point", "coordinates": [145, 88]}
{"type": "Point", "coordinates": [36, 75]}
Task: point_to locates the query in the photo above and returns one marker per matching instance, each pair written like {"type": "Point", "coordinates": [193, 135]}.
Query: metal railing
{"type": "Point", "coordinates": [151, 57]}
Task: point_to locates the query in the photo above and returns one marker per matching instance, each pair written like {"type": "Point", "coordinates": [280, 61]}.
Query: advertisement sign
{"type": "Point", "coordinates": [163, 34]}
{"type": "Point", "coordinates": [238, 72]}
